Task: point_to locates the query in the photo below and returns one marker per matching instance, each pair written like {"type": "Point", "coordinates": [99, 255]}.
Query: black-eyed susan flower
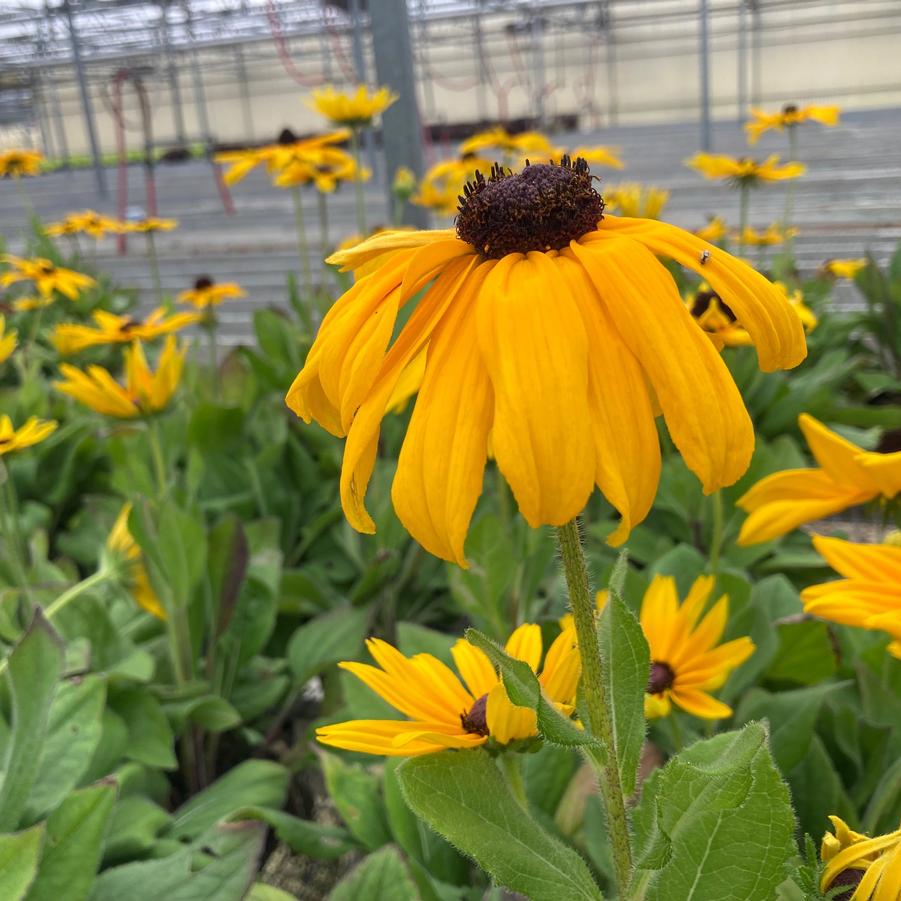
{"type": "Point", "coordinates": [443, 183]}
{"type": "Point", "coordinates": [552, 330]}
{"type": "Point", "coordinates": [715, 230]}
{"type": "Point", "coordinates": [744, 171]}
{"type": "Point", "coordinates": [636, 200]}
{"type": "Point", "coordinates": [771, 235]}
{"type": "Point", "coordinates": [843, 268]}
{"type": "Point", "coordinates": [88, 222]}
{"type": "Point", "coordinates": [8, 340]}
{"type": "Point", "coordinates": [869, 867]}
{"type": "Point", "coordinates": [846, 476]}
{"type": "Point", "coordinates": [30, 304]}
{"type": "Point", "coordinates": [70, 338]}
{"type": "Point", "coordinates": [144, 392]}
{"type": "Point", "coordinates": [869, 596]}
{"type": "Point", "coordinates": [18, 162]}
{"type": "Point", "coordinates": [789, 116]}
{"type": "Point", "coordinates": [356, 109]}
{"type": "Point", "coordinates": [46, 276]}
{"type": "Point", "coordinates": [32, 432]}
{"type": "Point", "coordinates": [208, 293]}
{"type": "Point", "coordinates": [445, 712]}
{"type": "Point", "coordinates": [151, 224]}
{"type": "Point", "coordinates": [687, 660]}
{"type": "Point", "coordinates": [500, 140]}
{"type": "Point", "coordinates": [323, 168]}
{"type": "Point", "coordinates": [128, 560]}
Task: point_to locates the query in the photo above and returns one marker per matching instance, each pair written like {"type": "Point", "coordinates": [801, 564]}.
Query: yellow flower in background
{"type": "Point", "coordinates": [744, 170]}
{"type": "Point", "coordinates": [635, 200]}
{"type": "Point", "coordinates": [144, 391]}
{"type": "Point", "coordinates": [69, 338]}
{"type": "Point", "coordinates": [404, 183]}
{"type": "Point", "coordinates": [46, 276]}
{"type": "Point", "coordinates": [442, 185]}
{"type": "Point", "coordinates": [29, 304]}
{"type": "Point", "coordinates": [715, 230]}
{"type": "Point", "coordinates": [241, 162]}
{"type": "Point", "coordinates": [19, 162]}
{"type": "Point", "coordinates": [599, 156]}
{"type": "Point", "coordinates": [869, 596]}
{"type": "Point", "coordinates": [498, 138]}
{"type": "Point", "coordinates": [323, 168]}
{"type": "Point", "coordinates": [207, 293]}
{"type": "Point", "coordinates": [773, 234]}
{"type": "Point", "coordinates": [548, 326]}
{"type": "Point", "coordinates": [151, 224]}
{"type": "Point", "coordinates": [789, 116]}
{"type": "Point", "coordinates": [34, 431]}
{"type": "Point", "coordinates": [443, 200]}
{"type": "Point", "coordinates": [87, 222]}
{"type": "Point", "coordinates": [687, 660]}
{"type": "Point", "coordinates": [870, 867]}
{"type": "Point", "coordinates": [121, 544]}
{"type": "Point", "coordinates": [847, 476]}
{"type": "Point", "coordinates": [445, 712]}
{"type": "Point", "coordinates": [8, 340]}
{"type": "Point", "coordinates": [358, 108]}
{"type": "Point", "coordinates": [844, 268]}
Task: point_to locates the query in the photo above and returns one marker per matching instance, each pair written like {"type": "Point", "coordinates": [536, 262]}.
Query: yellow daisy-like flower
{"type": "Point", "coordinates": [499, 139]}
{"type": "Point", "coordinates": [637, 201]}
{"type": "Point", "coordinates": [445, 712]}
{"type": "Point", "coordinates": [144, 392]}
{"type": "Point", "coordinates": [555, 331]}
{"type": "Point", "coordinates": [207, 293]}
{"type": "Point", "coordinates": [870, 867]}
{"type": "Point", "coordinates": [87, 222]}
{"type": "Point", "coordinates": [771, 235]}
{"type": "Point", "coordinates": [323, 168]}
{"type": "Point", "coordinates": [358, 108]}
{"type": "Point", "coordinates": [34, 431]}
{"type": "Point", "coordinates": [20, 162]}
{"type": "Point", "coordinates": [869, 596]}
{"type": "Point", "coordinates": [151, 224]}
{"type": "Point", "coordinates": [46, 276]}
{"type": "Point", "coordinates": [599, 156]}
{"type": "Point", "coordinates": [847, 476]}
{"type": "Point", "coordinates": [789, 116]}
{"type": "Point", "coordinates": [442, 185]}
{"type": "Point", "coordinates": [715, 230]}
{"type": "Point", "coordinates": [687, 661]}
{"type": "Point", "coordinates": [70, 338]}
{"type": "Point", "coordinates": [8, 340]}
{"type": "Point", "coordinates": [844, 268]}
{"type": "Point", "coordinates": [30, 304]}
{"type": "Point", "coordinates": [744, 171]}
{"type": "Point", "coordinates": [121, 544]}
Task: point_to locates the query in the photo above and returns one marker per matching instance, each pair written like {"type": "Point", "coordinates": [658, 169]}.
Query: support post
{"type": "Point", "coordinates": [246, 106]}
{"type": "Point", "coordinates": [704, 67]}
{"type": "Point", "coordinates": [178, 114]}
{"type": "Point", "coordinates": [356, 14]}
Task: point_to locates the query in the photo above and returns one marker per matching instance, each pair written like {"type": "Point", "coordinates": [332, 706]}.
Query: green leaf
{"type": "Point", "coordinates": [626, 657]}
{"type": "Point", "coordinates": [817, 790]}
{"type": "Point", "coordinates": [251, 783]}
{"type": "Point", "coordinates": [34, 669]}
{"type": "Point", "coordinates": [19, 856]}
{"type": "Point", "coordinates": [326, 640]}
{"type": "Point", "coordinates": [715, 824]}
{"type": "Point", "coordinates": [72, 850]}
{"type": "Point", "coordinates": [317, 840]}
{"type": "Point", "coordinates": [229, 557]}
{"type": "Point", "coordinates": [805, 654]}
{"type": "Point", "coordinates": [150, 737]}
{"type": "Point", "coordinates": [136, 822]}
{"type": "Point", "coordinates": [260, 891]}
{"type": "Point", "coordinates": [382, 876]}
{"type": "Point", "coordinates": [464, 797]}
{"type": "Point", "coordinates": [356, 794]}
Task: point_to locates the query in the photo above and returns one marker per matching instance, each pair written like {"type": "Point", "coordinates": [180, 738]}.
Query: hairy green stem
{"type": "Point", "coordinates": [512, 765]}
{"type": "Point", "coordinates": [303, 249]}
{"type": "Point", "coordinates": [159, 459]}
{"type": "Point", "coordinates": [716, 535]}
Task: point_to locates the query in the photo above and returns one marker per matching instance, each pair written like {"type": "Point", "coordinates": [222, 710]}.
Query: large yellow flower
{"type": "Point", "coordinates": [847, 476]}
{"type": "Point", "coordinates": [636, 200]}
{"type": "Point", "coordinates": [551, 329]}
{"type": "Point", "coordinates": [34, 431]}
{"type": "Point", "coordinates": [870, 867]}
{"type": "Point", "coordinates": [744, 171]}
{"type": "Point", "coordinates": [144, 392]}
{"type": "Point", "coordinates": [7, 341]}
{"type": "Point", "coordinates": [358, 108]}
{"type": "Point", "coordinates": [869, 596]}
{"type": "Point", "coordinates": [687, 661]}
{"type": "Point", "coordinates": [70, 338]}
{"type": "Point", "coordinates": [445, 713]}
{"type": "Point", "coordinates": [19, 162]}
{"type": "Point", "coordinates": [46, 276]}
{"type": "Point", "coordinates": [206, 293]}
{"type": "Point", "coordinates": [121, 544]}
{"type": "Point", "coordinates": [789, 116]}
{"type": "Point", "coordinates": [499, 139]}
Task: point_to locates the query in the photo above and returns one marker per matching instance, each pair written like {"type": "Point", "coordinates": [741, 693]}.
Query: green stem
{"type": "Point", "coordinates": [159, 459]}
{"type": "Point", "coordinates": [154, 261]}
{"type": "Point", "coordinates": [512, 765]}
{"type": "Point", "coordinates": [716, 536]}
{"type": "Point", "coordinates": [358, 181]}
{"type": "Point", "coordinates": [598, 714]}
{"type": "Point", "coordinates": [789, 211]}
{"type": "Point", "coordinates": [26, 200]}
{"type": "Point", "coordinates": [324, 240]}
{"type": "Point", "coordinates": [676, 731]}
{"type": "Point", "coordinates": [210, 326]}
{"type": "Point", "coordinates": [9, 528]}
{"type": "Point", "coordinates": [77, 590]}
{"type": "Point", "coordinates": [742, 216]}
{"type": "Point", "coordinates": [303, 249]}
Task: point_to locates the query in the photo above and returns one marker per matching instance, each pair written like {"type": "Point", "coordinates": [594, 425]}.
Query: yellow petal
{"type": "Point", "coordinates": [475, 668]}
{"type": "Point", "coordinates": [506, 721]}
{"type": "Point", "coordinates": [525, 644]}
{"type": "Point", "coordinates": [562, 668]}
{"type": "Point", "coordinates": [837, 456]}
{"type": "Point", "coordinates": [877, 562]}
{"type": "Point", "coordinates": [701, 704]}
{"type": "Point", "coordinates": [884, 470]}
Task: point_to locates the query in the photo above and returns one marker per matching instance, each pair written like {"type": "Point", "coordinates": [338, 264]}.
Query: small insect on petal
{"type": "Point", "coordinates": [705, 256]}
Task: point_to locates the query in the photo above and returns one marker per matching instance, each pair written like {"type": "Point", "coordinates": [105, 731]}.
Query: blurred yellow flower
{"type": "Point", "coordinates": [773, 234]}
{"type": "Point", "coordinates": [46, 276]}
{"type": "Point", "coordinates": [358, 108]}
{"type": "Point", "coordinates": [404, 183]}
{"type": "Point", "coordinates": [206, 293]}
{"type": "Point", "coordinates": [69, 338]}
{"type": "Point", "coordinates": [446, 713]}
{"type": "Point", "coordinates": [869, 867]}
{"type": "Point", "coordinates": [86, 222]}
{"type": "Point", "coordinates": [636, 200]}
{"type": "Point", "coordinates": [847, 476]}
{"type": "Point", "coordinates": [442, 185]}
{"type": "Point", "coordinates": [869, 596]}
{"type": "Point", "coordinates": [687, 661]}
{"type": "Point", "coordinates": [323, 167]}
{"type": "Point", "coordinates": [844, 268]}
{"type": "Point", "coordinates": [16, 163]}
{"type": "Point", "coordinates": [29, 304]}
{"type": "Point", "coordinates": [7, 340]}
{"type": "Point", "coordinates": [121, 544]}
{"type": "Point", "coordinates": [599, 156]}
{"type": "Point", "coordinates": [715, 230]}
{"type": "Point", "coordinates": [498, 138]}
{"type": "Point", "coordinates": [34, 431]}
{"type": "Point", "coordinates": [151, 224]}
{"type": "Point", "coordinates": [744, 171]}
{"type": "Point", "coordinates": [144, 392]}
{"type": "Point", "coordinates": [789, 115]}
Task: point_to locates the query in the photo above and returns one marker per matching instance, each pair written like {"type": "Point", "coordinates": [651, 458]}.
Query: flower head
{"type": "Point", "coordinates": [19, 162]}
{"type": "Point", "coordinates": [687, 661]}
{"type": "Point", "coordinates": [144, 392]}
{"type": "Point", "coordinates": [206, 293]}
{"type": "Point", "coordinates": [70, 338]}
{"type": "Point", "coordinates": [7, 341]}
{"type": "Point", "coordinates": [554, 331]}
{"type": "Point", "coordinates": [744, 171]}
{"type": "Point", "coordinates": [869, 596]}
{"type": "Point", "coordinates": [442, 185]}
{"type": "Point", "coordinates": [715, 230]}
{"type": "Point", "coordinates": [772, 234]}
{"type": "Point", "coordinates": [787, 117]}
{"type": "Point", "coordinates": [403, 185]}
{"type": "Point", "coordinates": [152, 224]}
{"type": "Point", "coordinates": [34, 431]}
{"type": "Point", "coordinates": [46, 276]}
{"type": "Point", "coordinates": [499, 139]}
{"type": "Point", "coordinates": [844, 268]}
{"type": "Point", "coordinates": [445, 712]}
{"type": "Point", "coordinates": [354, 110]}
{"type": "Point", "coordinates": [870, 867]}
{"type": "Point", "coordinates": [86, 222]}
{"type": "Point", "coordinates": [847, 476]}
{"type": "Point", "coordinates": [30, 304]}
{"type": "Point", "coordinates": [599, 156]}
{"type": "Point", "coordinates": [122, 546]}
{"type": "Point", "coordinates": [322, 167]}
{"type": "Point", "coordinates": [633, 199]}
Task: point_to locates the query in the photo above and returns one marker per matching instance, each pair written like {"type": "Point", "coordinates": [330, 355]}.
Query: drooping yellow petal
{"type": "Point", "coordinates": [884, 470]}
{"type": "Point", "coordinates": [506, 721]}
{"type": "Point", "coordinates": [525, 644]}
{"type": "Point", "coordinates": [380, 737]}
{"type": "Point", "coordinates": [475, 668]}
{"type": "Point", "coordinates": [836, 455]}
{"type": "Point", "coordinates": [562, 668]}
{"type": "Point", "coordinates": [876, 562]}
